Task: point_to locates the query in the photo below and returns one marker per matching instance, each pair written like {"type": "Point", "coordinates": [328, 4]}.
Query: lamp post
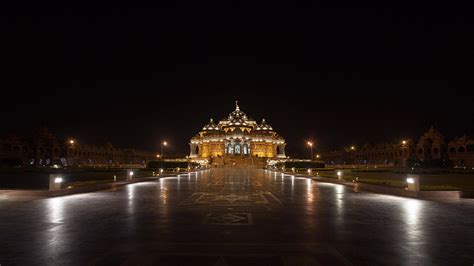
{"type": "Point", "coordinates": [310, 144]}
{"type": "Point", "coordinates": [70, 154]}
{"type": "Point", "coordinates": [164, 143]}
{"type": "Point", "coordinates": [405, 153]}
{"type": "Point", "coordinates": [353, 156]}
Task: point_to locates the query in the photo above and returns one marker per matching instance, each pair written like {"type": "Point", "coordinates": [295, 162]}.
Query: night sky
{"type": "Point", "coordinates": [136, 73]}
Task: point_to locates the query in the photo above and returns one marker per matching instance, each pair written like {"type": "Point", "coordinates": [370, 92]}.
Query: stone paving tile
{"type": "Point", "coordinates": [294, 221]}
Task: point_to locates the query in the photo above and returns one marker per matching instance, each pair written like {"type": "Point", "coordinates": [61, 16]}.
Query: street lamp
{"type": "Point", "coordinates": [310, 144]}
{"type": "Point", "coordinates": [164, 143]}
{"type": "Point", "coordinates": [405, 152]}
{"type": "Point", "coordinates": [72, 143]}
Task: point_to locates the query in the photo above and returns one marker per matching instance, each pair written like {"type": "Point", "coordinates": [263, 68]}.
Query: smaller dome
{"type": "Point", "coordinates": [210, 126]}
{"type": "Point", "coordinates": [264, 126]}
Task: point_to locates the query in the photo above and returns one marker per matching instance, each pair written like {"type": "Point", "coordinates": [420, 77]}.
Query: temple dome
{"type": "Point", "coordinates": [264, 126]}
{"type": "Point", "coordinates": [211, 126]}
{"type": "Point", "coordinates": [237, 117]}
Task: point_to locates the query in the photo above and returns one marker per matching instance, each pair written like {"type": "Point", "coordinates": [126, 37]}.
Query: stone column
{"type": "Point", "coordinates": [282, 150]}
{"type": "Point", "coordinates": [191, 149]}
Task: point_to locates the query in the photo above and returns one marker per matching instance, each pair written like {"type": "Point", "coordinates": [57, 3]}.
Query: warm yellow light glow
{"type": "Point", "coordinates": [353, 147]}
{"type": "Point", "coordinates": [71, 141]}
{"type": "Point", "coordinates": [317, 156]}
{"type": "Point", "coordinates": [310, 143]}
{"type": "Point", "coordinates": [165, 143]}
{"type": "Point", "coordinates": [158, 156]}
{"type": "Point", "coordinates": [404, 142]}
{"type": "Point", "coordinates": [206, 145]}
{"type": "Point", "coordinates": [339, 173]}
{"type": "Point", "coordinates": [58, 180]}
{"type": "Point", "coordinates": [410, 180]}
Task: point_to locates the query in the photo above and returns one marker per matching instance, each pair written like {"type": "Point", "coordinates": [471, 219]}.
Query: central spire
{"type": "Point", "coordinates": [237, 105]}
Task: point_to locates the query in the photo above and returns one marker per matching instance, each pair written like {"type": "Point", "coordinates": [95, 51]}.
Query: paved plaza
{"type": "Point", "coordinates": [235, 217]}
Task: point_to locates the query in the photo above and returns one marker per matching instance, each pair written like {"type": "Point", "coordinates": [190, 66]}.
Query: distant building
{"type": "Point", "coordinates": [461, 151]}
{"type": "Point", "coordinates": [431, 146]}
{"type": "Point", "coordinates": [44, 149]}
{"type": "Point", "coordinates": [237, 136]}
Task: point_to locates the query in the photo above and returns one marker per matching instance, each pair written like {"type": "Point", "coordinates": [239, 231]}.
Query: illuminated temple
{"type": "Point", "coordinates": [237, 135]}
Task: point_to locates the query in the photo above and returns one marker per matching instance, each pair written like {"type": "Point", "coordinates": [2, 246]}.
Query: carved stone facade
{"type": "Point", "coordinates": [430, 146]}
{"type": "Point", "coordinates": [461, 151]}
{"type": "Point", "coordinates": [44, 149]}
{"type": "Point", "coordinates": [384, 153]}
{"type": "Point", "coordinates": [237, 135]}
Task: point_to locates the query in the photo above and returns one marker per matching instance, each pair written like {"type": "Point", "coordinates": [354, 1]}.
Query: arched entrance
{"type": "Point", "coordinates": [237, 147]}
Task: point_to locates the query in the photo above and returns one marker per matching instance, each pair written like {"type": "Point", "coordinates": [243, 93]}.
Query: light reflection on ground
{"type": "Point", "coordinates": [273, 216]}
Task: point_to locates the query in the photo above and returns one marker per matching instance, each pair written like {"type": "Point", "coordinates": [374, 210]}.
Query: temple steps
{"type": "Point", "coordinates": [239, 162]}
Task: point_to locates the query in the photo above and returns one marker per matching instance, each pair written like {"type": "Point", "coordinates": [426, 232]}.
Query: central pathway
{"type": "Point", "coordinates": [235, 217]}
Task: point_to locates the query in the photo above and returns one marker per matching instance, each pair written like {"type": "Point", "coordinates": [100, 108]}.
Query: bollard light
{"type": "Point", "coordinates": [161, 170]}
{"type": "Point", "coordinates": [55, 182]}
{"type": "Point", "coordinates": [130, 174]}
{"type": "Point", "coordinates": [115, 178]}
{"type": "Point", "coordinates": [413, 183]}
{"type": "Point", "coordinates": [309, 171]}
{"type": "Point", "coordinates": [339, 174]}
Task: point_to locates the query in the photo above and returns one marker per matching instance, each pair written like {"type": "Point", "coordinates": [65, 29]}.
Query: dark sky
{"type": "Point", "coordinates": [338, 72]}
